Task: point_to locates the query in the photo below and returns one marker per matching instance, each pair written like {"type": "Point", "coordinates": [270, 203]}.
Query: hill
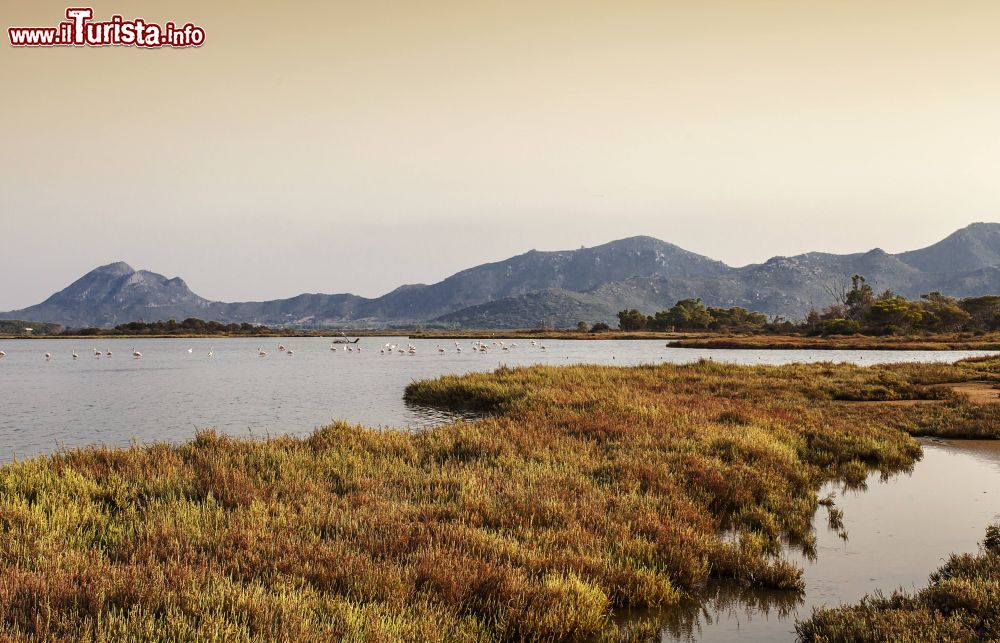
{"type": "Point", "coordinates": [559, 288]}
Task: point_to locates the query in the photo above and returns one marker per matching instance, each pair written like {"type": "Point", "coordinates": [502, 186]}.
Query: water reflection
{"type": "Point", "coordinates": [429, 416]}
{"type": "Point", "coordinates": [723, 602]}
{"type": "Point", "coordinates": [890, 546]}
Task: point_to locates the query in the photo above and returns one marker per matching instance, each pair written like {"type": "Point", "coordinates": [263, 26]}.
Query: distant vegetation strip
{"type": "Point", "coordinates": [16, 327]}
{"type": "Point", "coordinates": [579, 491]}
{"type": "Point", "coordinates": [935, 342]}
{"type": "Point", "coordinates": [961, 603]}
{"type": "Point", "coordinates": [190, 326]}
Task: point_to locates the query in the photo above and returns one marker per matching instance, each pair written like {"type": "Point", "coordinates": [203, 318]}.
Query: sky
{"type": "Point", "coordinates": [335, 146]}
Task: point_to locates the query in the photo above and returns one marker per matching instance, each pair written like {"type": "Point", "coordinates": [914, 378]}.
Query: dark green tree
{"type": "Point", "coordinates": [859, 298]}
{"type": "Point", "coordinates": [631, 319]}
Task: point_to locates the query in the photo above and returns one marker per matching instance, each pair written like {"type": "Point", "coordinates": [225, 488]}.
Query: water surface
{"type": "Point", "coordinates": [170, 393]}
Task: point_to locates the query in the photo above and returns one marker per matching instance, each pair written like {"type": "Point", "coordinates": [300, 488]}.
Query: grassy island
{"type": "Point", "coordinates": [577, 492]}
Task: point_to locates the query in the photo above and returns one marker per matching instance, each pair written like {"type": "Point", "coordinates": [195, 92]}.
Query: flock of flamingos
{"type": "Point", "coordinates": [387, 349]}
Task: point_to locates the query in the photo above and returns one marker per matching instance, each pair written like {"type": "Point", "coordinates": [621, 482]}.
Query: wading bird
{"type": "Point", "coordinates": [3, 354]}
{"type": "Point", "coordinates": [261, 353]}
{"type": "Point", "coordinates": [136, 354]}
{"type": "Point", "coordinates": [75, 356]}
{"type": "Point", "coordinates": [48, 356]}
{"type": "Point", "coordinates": [211, 351]}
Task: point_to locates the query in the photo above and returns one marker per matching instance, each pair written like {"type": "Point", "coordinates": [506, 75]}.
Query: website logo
{"type": "Point", "coordinates": [80, 30]}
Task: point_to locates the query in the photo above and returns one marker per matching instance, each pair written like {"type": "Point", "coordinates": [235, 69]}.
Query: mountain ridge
{"type": "Point", "coordinates": [556, 288]}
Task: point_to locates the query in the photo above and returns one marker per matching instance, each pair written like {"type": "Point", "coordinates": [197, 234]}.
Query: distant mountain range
{"type": "Point", "coordinates": [552, 288]}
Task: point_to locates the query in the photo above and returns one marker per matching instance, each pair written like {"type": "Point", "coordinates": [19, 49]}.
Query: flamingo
{"type": "Point", "coordinates": [190, 350]}
{"type": "Point", "coordinates": [136, 354]}
{"type": "Point", "coordinates": [75, 356]}
{"type": "Point", "coordinates": [97, 353]}
{"type": "Point", "coordinates": [211, 351]}
{"type": "Point", "coordinates": [48, 356]}
{"type": "Point", "coordinates": [440, 350]}
{"type": "Point", "coordinates": [261, 353]}
{"type": "Point", "coordinates": [281, 347]}
{"type": "Point", "coordinates": [109, 353]}
{"type": "Point", "coordinates": [291, 352]}
{"type": "Point", "coordinates": [2, 354]}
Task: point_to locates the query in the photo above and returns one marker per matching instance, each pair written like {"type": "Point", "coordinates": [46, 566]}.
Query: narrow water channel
{"type": "Point", "coordinates": [899, 531]}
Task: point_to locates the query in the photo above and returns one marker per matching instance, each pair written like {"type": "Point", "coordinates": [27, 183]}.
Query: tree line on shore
{"type": "Point", "coordinates": [692, 314]}
{"type": "Point", "coordinates": [190, 326]}
{"type": "Point", "coordinates": [856, 309]}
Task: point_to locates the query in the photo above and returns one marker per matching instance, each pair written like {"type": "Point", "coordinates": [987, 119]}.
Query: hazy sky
{"type": "Point", "coordinates": [355, 146]}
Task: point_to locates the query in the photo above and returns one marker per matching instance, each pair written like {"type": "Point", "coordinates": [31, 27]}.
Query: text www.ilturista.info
{"type": "Point", "coordinates": [79, 31]}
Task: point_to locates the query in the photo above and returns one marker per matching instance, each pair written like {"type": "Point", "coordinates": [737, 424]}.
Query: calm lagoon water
{"type": "Point", "coordinates": [900, 529]}
{"type": "Point", "coordinates": [170, 393]}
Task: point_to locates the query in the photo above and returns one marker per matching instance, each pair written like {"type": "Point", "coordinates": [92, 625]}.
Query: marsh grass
{"type": "Point", "coordinates": [581, 491]}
